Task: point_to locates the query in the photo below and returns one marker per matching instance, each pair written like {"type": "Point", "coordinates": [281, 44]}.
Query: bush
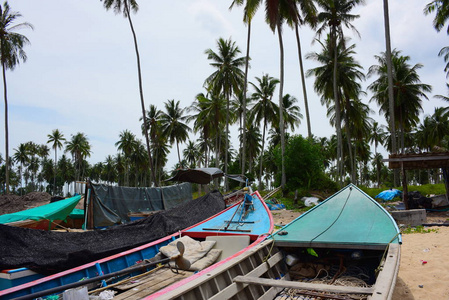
{"type": "Point", "coordinates": [304, 165]}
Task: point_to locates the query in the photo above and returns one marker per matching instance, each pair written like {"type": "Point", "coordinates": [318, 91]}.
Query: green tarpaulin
{"type": "Point", "coordinates": [54, 211]}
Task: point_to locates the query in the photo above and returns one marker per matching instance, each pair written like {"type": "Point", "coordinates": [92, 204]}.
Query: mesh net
{"type": "Point", "coordinates": [49, 252]}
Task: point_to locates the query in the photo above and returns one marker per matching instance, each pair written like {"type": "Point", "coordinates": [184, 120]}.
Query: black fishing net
{"type": "Point", "coordinates": [49, 252]}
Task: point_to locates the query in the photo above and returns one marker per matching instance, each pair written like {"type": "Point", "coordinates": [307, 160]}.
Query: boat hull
{"type": "Point", "coordinates": [262, 273]}
{"type": "Point", "coordinates": [129, 258]}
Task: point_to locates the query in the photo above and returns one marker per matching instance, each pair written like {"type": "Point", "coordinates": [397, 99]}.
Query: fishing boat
{"type": "Point", "coordinates": [137, 273]}
{"type": "Point", "coordinates": [45, 217]}
{"type": "Point", "coordinates": [346, 245]}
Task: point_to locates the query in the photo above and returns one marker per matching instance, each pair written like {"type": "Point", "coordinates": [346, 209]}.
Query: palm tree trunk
{"type": "Point", "coordinates": [261, 155]}
{"type": "Point", "coordinates": [281, 104]}
{"type": "Point", "coordinates": [142, 102]}
{"type": "Point", "coordinates": [303, 82]}
{"type": "Point", "coordinates": [179, 155]}
{"type": "Point", "coordinates": [226, 143]}
{"type": "Point", "coordinates": [337, 111]}
{"type": "Point", "coordinates": [245, 86]}
{"type": "Point", "coordinates": [348, 138]}
{"type": "Point", "coordinates": [54, 175]}
{"type": "Point", "coordinates": [390, 87]}
{"type": "Point", "coordinates": [6, 130]}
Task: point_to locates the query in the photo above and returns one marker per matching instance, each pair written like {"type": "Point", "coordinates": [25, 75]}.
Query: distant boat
{"type": "Point", "coordinates": [348, 236]}
{"type": "Point", "coordinates": [228, 234]}
{"type": "Point", "coordinates": [45, 217]}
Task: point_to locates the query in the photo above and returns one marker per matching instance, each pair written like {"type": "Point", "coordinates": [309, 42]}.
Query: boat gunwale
{"type": "Point", "coordinates": [256, 240]}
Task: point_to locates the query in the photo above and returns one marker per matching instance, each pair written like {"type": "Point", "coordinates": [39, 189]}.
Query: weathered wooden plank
{"type": "Point", "coordinates": [303, 285]}
{"type": "Point", "coordinates": [234, 288]}
{"type": "Point", "coordinates": [151, 284]}
{"type": "Point", "coordinates": [386, 280]}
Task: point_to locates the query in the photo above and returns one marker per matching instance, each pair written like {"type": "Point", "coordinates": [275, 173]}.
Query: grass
{"type": "Point", "coordinates": [425, 190]}
{"type": "Point", "coordinates": [417, 229]}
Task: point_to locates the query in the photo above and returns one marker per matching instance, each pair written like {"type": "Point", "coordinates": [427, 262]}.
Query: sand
{"type": "Point", "coordinates": [416, 280]}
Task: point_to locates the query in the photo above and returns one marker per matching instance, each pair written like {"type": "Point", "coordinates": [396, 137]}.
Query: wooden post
{"type": "Point", "coordinates": [404, 188]}
{"type": "Point", "coordinates": [446, 181]}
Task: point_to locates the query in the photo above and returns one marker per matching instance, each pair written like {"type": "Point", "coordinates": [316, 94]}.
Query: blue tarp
{"type": "Point", "coordinates": [388, 195]}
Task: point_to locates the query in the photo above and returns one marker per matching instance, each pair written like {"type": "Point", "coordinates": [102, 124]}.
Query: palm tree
{"type": "Point", "coordinates": [390, 82]}
{"type": "Point", "coordinates": [377, 135]}
{"type": "Point", "coordinates": [109, 169]}
{"type": "Point", "coordinates": [173, 126]}
{"type": "Point", "coordinates": [127, 144]}
{"type": "Point", "coordinates": [11, 53]}
{"type": "Point", "coordinates": [56, 138]}
{"type": "Point", "coordinates": [407, 88]}
{"type": "Point", "coordinates": [249, 12]}
{"type": "Point", "coordinates": [438, 127]}
{"type": "Point", "coordinates": [335, 14]}
{"type": "Point", "coordinates": [227, 79]}
{"type": "Point", "coordinates": [209, 119]}
{"type": "Point", "coordinates": [275, 14]}
{"type": "Point", "coordinates": [22, 156]}
{"type": "Point", "coordinates": [308, 10]}
{"type": "Point", "coordinates": [124, 7]}
{"type": "Point", "coordinates": [253, 140]}
{"type": "Point", "coordinates": [441, 7]}
{"type": "Point", "coordinates": [348, 76]}
{"type": "Point", "coordinates": [191, 154]}
{"type": "Point", "coordinates": [79, 148]}
{"type": "Point", "coordinates": [239, 107]}
{"type": "Point", "coordinates": [265, 109]}
{"type": "Point", "coordinates": [292, 112]}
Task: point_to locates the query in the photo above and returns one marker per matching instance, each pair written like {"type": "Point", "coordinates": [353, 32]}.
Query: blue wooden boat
{"type": "Point", "coordinates": [237, 229]}
{"type": "Point", "coordinates": [348, 236]}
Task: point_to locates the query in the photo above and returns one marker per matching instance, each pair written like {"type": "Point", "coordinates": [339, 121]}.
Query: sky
{"type": "Point", "coordinates": [81, 72]}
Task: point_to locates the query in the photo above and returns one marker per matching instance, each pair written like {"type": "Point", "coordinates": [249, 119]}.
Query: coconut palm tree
{"type": "Point", "coordinates": [227, 79]}
{"type": "Point", "coordinates": [22, 156]}
{"type": "Point", "coordinates": [275, 15]}
{"type": "Point", "coordinates": [441, 9]}
{"type": "Point", "coordinates": [334, 14]}
{"type": "Point", "coordinates": [292, 112]}
{"type": "Point", "coordinates": [377, 135]}
{"type": "Point", "coordinates": [127, 144]}
{"type": "Point", "coordinates": [264, 110]}
{"type": "Point", "coordinates": [348, 76]}
{"type": "Point", "coordinates": [253, 142]}
{"type": "Point", "coordinates": [11, 53]}
{"type": "Point", "coordinates": [209, 119]}
{"type": "Point", "coordinates": [407, 88]}
{"type": "Point", "coordinates": [239, 105]}
{"type": "Point", "coordinates": [249, 12]}
{"type": "Point", "coordinates": [438, 127]}
{"type": "Point", "coordinates": [173, 126]}
{"type": "Point", "coordinates": [56, 138]}
{"type": "Point", "coordinates": [110, 172]}
{"type": "Point", "coordinates": [124, 7]}
{"type": "Point", "coordinates": [80, 148]}
{"type": "Point", "coordinates": [191, 154]}
{"type": "Point", "coordinates": [305, 12]}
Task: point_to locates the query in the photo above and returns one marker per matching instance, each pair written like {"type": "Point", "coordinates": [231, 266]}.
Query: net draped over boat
{"type": "Point", "coordinates": [49, 252]}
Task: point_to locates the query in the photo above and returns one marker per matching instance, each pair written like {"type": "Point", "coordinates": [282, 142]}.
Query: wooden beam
{"type": "Point", "coordinates": [422, 158]}
{"type": "Point", "coordinates": [304, 285]}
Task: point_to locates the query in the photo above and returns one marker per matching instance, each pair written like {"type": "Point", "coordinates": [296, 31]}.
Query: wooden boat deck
{"type": "Point", "coordinates": [141, 286]}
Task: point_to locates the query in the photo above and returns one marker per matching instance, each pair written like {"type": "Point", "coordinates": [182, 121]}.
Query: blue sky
{"type": "Point", "coordinates": [81, 71]}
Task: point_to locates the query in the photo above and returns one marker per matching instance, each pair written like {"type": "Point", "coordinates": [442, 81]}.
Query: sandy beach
{"type": "Point", "coordinates": [424, 270]}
